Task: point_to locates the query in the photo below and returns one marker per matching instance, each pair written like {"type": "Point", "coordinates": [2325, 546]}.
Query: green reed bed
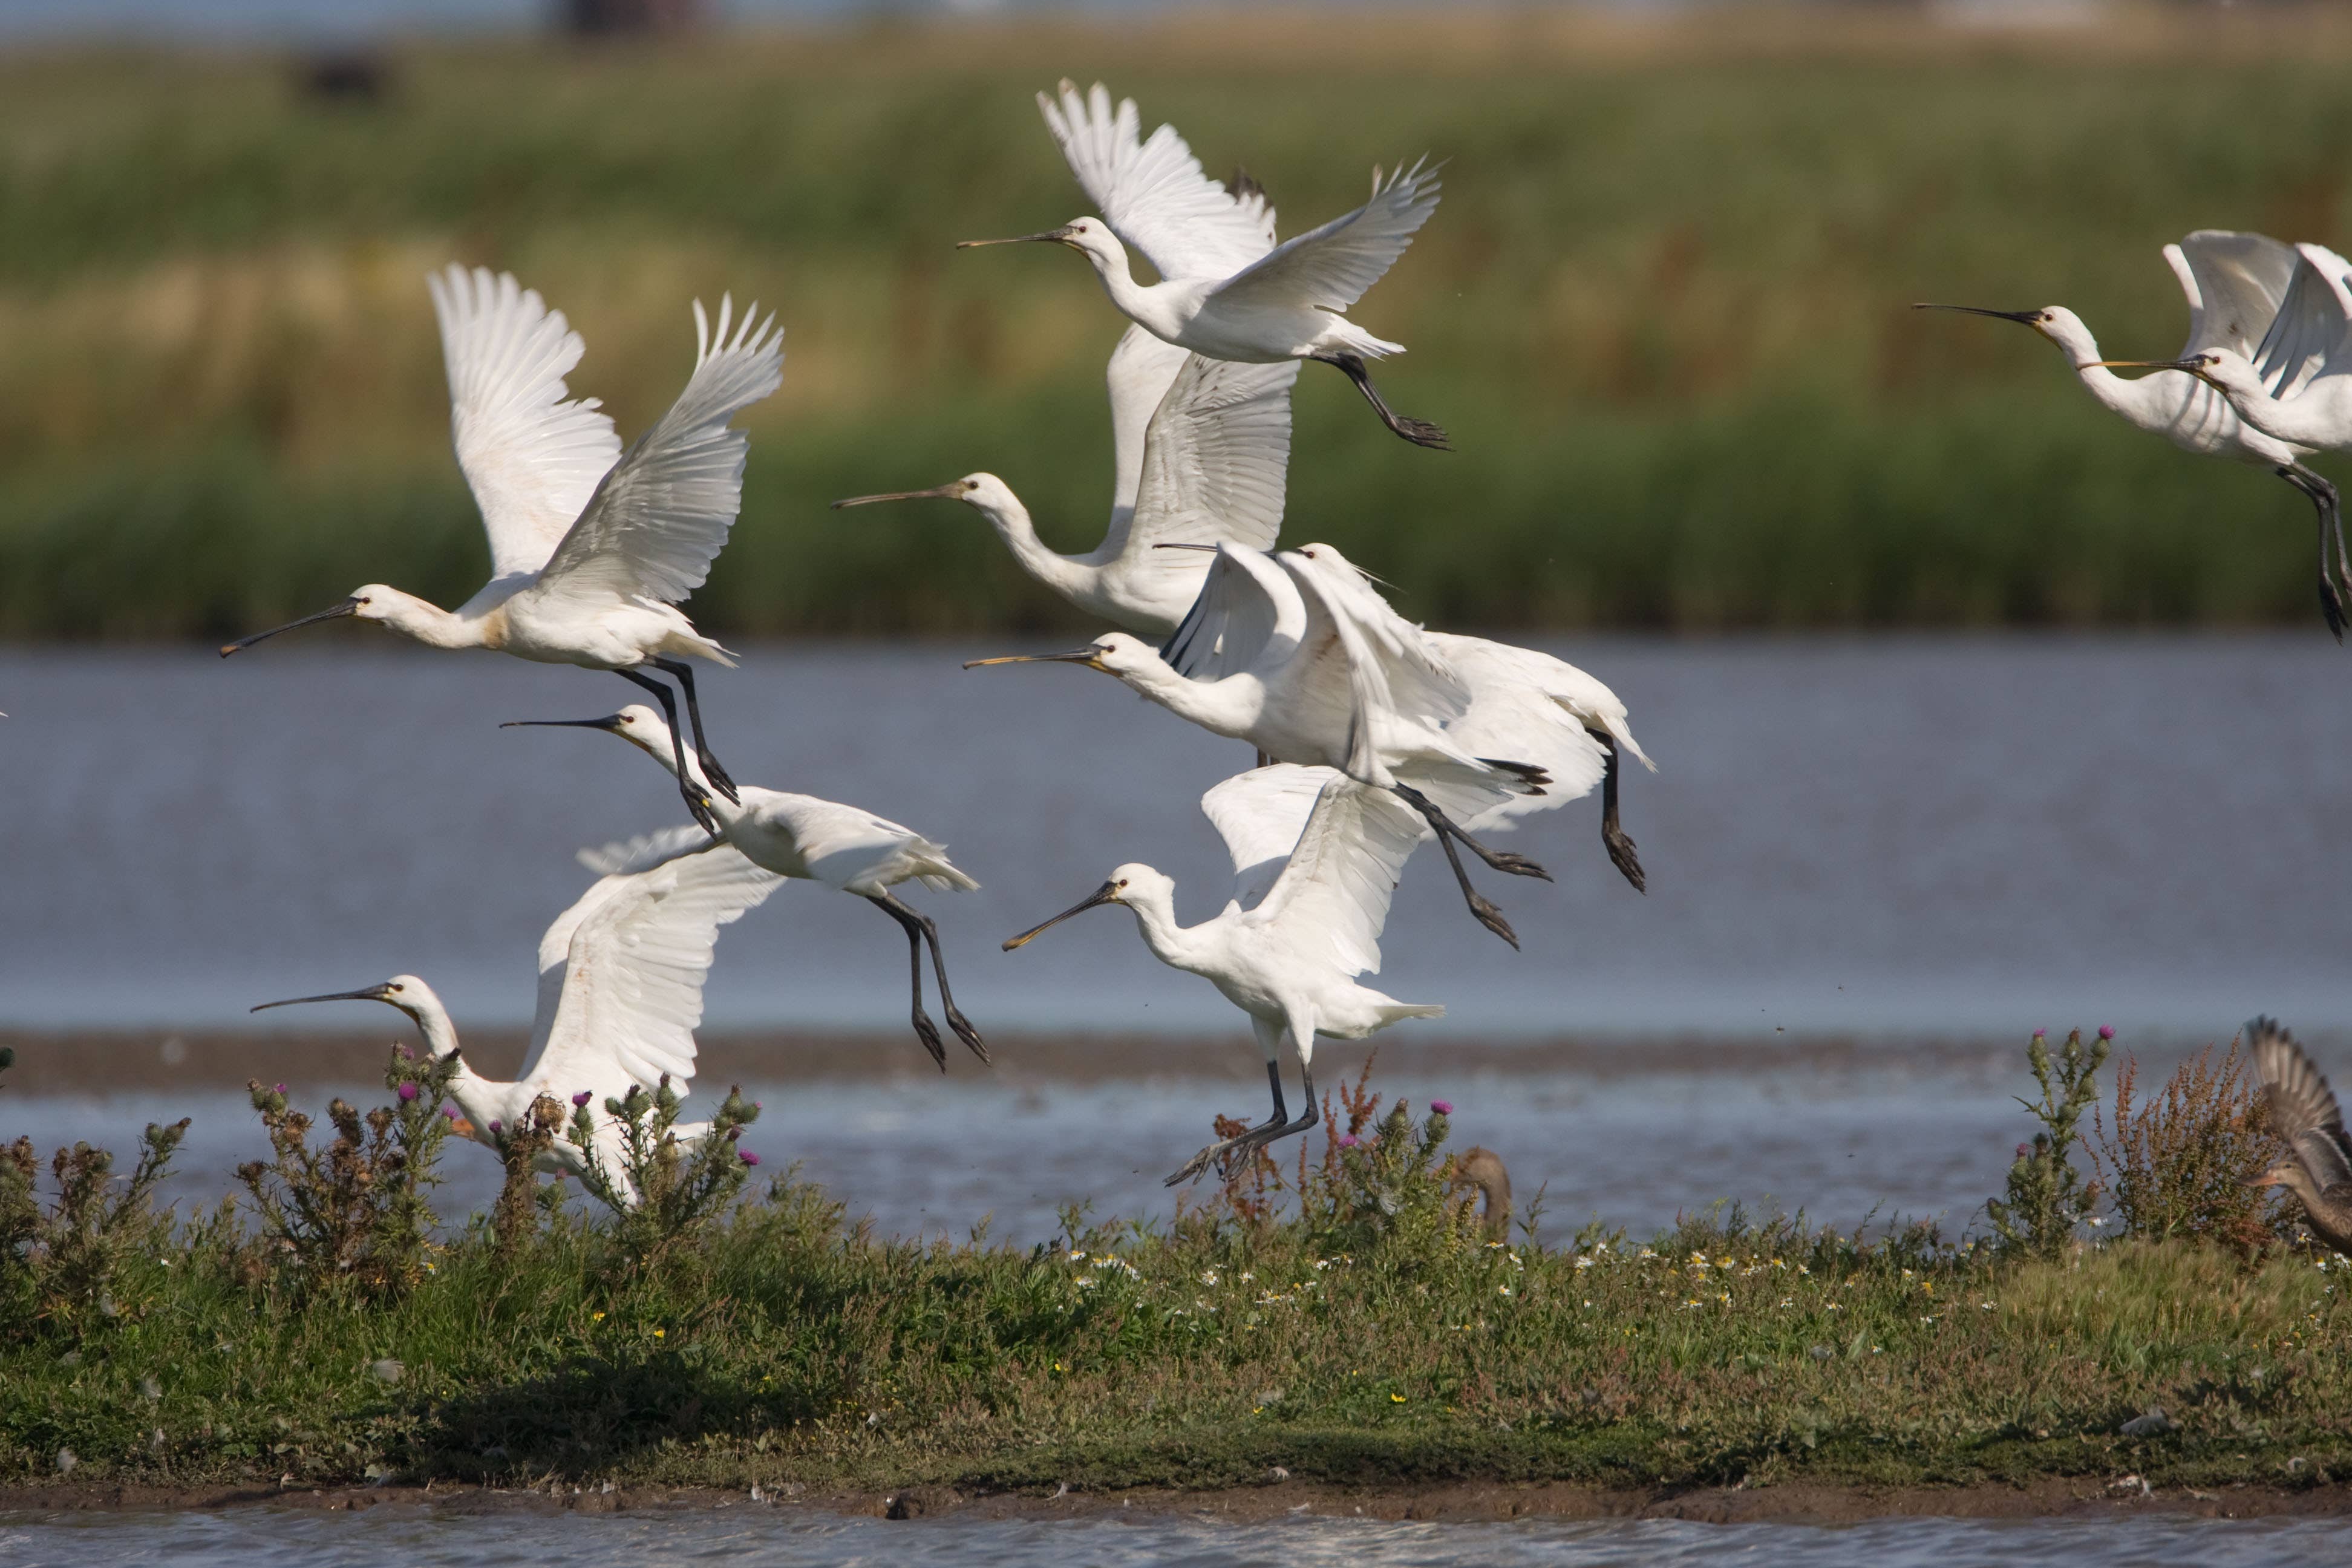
{"type": "Point", "coordinates": [1343, 1316]}
{"type": "Point", "coordinates": [1663, 310]}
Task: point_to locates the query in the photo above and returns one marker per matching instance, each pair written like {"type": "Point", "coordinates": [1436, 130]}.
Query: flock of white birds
{"type": "Point", "coordinates": [1373, 734]}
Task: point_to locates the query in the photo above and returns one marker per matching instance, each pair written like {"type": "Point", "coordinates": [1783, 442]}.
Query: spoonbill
{"type": "Point", "coordinates": [1315, 858]}
{"type": "Point", "coordinates": [2304, 1113]}
{"type": "Point", "coordinates": [620, 992]}
{"type": "Point", "coordinates": [1226, 289]}
{"type": "Point", "coordinates": [1201, 449]}
{"type": "Point", "coordinates": [799, 835]}
{"type": "Point", "coordinates": [2298, 386]}
{"type": "Point", "coordinates": [588, 555]}
{"type": "Point", "coordinates": [2235, 283]}
{"type": "Point", "coordinates": [1315, 668]}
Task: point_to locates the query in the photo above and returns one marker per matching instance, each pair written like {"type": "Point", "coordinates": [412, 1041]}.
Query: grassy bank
{"type": "Point", "coordinates": [1662, 310]}
{"type": "Point", "coordinates": [1343, 1319]}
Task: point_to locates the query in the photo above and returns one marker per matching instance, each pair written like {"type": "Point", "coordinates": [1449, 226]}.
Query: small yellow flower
{"type": "Point", "coordinates": [1396, 1399]}
{"type": "Point", "coordinates": [595, 1317]}
{"type": "Point", "coordinates": [661, 1333]}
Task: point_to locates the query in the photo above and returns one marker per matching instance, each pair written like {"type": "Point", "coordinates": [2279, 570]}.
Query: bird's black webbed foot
{"type": "Point", "coordinates": [718, 776]}
{"type": "Point", "coordinates": [1621, 856]}
{"type": "Point", "coordinates": [1421, 433]}
{"type": "Point", "coordinates": [929, 1032]}
{"type": "Point", "coordinates": [1490, 917]}
{"type": "Point", "coordinates": [1515, 865]}
{"type": "Point", "coordinates": [2331, 609]}
{"type": "Point", "coordinates": [965, 1032]}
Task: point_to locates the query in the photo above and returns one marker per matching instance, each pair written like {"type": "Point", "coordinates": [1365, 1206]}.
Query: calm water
{"type": "Point", "coordinates": [1928, 836]}
{"type": "Point", "coordinates": [750, 1537]}
{"type": "Point", "coordinates": [931, 1155]}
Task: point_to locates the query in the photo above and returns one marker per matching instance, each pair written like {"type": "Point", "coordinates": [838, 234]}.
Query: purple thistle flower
{"type": "Point", "coordinates": [280, 1090]}
{"type": "Point", "coordinates": [748, 1158]}
{"type": "Point", "coordinates": [498, 1126]}
{"type": "Point", "coordinates": [582, 1098]}
{"type": "Point", "coordinates": [1442, 1107]}
{"type": "Point", "coordinates": [2039, 1033]}
{"type": "Point", "coordinates": [2106, 1031]}
{"type": "Point", "coordinates": [408, 1092]}
{"type": "Point", "coordinates": [2024, 1150]}
{"type": "Point", "coordinates": [1347, 1139]}
{"type": "Point", "coordinates": [450, 1111]}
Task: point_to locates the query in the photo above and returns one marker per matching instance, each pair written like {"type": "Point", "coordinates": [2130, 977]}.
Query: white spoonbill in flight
{"type": "Point", "coordinates": [1315, 859]}
{"type": "Point", "coordinates": [801, 837]}
{"type": "Point", "coordinates": [588, 555]}
{"type": "Point", "coordinates": [1201, 448]}
{"type": "Point", "coordinates": [1316, 668]}
{"type": "Point", "coordinates": [620, 992]}
{"type": "Point", "coordinates": [2235, 283]}
{"type": "Point", "coordinates": [1226, 289]}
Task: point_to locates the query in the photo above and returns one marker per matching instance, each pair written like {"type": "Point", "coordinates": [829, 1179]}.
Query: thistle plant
{"type": "Point", "coordinates": [522, 1197]}
{"type": "Point", "coordinates": [356, 1209]}
{"type": "Point", "coordinates": [2047, 1197]}
{"type": "Point", "coordinates": [665, 1189]}
{"type": "Point", "coordinates": [68, 1258]}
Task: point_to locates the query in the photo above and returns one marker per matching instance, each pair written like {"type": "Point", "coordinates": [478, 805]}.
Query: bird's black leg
{"type": "Point", "coordinates": [925, 1030]}
{"type": "Point", "coordinates": [1486, 913]}
{"type": "Point", "coordinates": [930, 930]}
{"type": "Point", "coordinates": [1612, 837]}
{"type": "Point", "coordinates": [1446, 827]}
{"type": "Point", "coordinates": [684, 672]}
{"type": "Point", "coordinates": [2322, 495]}
{"type": "Point", "coordinates": [696, 801]}
{"type": "Point", "coordinates": [1420, 432]}
{"type": "Point", "coordinates": [1278, 1126]}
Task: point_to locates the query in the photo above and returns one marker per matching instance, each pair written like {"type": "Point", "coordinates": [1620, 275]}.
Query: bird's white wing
{"type": "Point", "coordinates": [2234, 282]}
{"type": "Point", "coordinates": [1332, 899]}
{"type": "Point", "coordinates": [532, 458]}
{"type": "Point", "coordinates": [1329, 268]}
{"type": "Point", "coordinates": [1214, 466]}
{"type": "Point", "coordinates": [615, 866]}
{"type": "Point", "coordinates": [1246, 605]}
{"type": "Point", "coordinates": [2303, 1109]}
{"type": "Point", "coordinates": [645, 852]}
{"type": "Point", "coordinates": [2311, 335]}
{"type": "Point", "coordinates": [1396, 675]}
{"type": "Point", "coordinates": [632, 991]}
{"type": "Point", "coordinates": [1260, 815]}
{"type": "Point", "coordinates": [661, 515]}
{"type": "Point", "coordinates": [1152, 193]}
{"type": "Point", "coordinates": [1142, 368]}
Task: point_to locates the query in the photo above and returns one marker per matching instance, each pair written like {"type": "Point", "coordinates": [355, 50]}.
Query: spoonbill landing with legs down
{"type": "Point", "coordinates": [2236, 284]}
{"type": "Point", "coordinates": [1315, 858]}
{"type": "Point", "coordinates": [620, 992]}
{"type": "Point", "coordinates": [799, 835]}
{"type": "Point", "coordinates": [588, 555]}
{"type": "Point", "coordinates": [1226, 289]}
{"type": "Point", "coordinates": [1297, 654]}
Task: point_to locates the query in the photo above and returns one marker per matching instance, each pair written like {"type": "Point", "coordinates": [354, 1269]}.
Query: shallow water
{"type": "Point", "coordinates": [758, 1538]}
{"type": "Point", "coordinates": [927, 1157]}
{"type": "Point", "coordinates": [1932, 834]}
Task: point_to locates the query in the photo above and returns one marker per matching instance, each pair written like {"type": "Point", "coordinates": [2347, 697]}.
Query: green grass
{"type": "Point", "coordinates": [1663, 310]}
{"type": "Point", "coordinates": [1347, 1323]}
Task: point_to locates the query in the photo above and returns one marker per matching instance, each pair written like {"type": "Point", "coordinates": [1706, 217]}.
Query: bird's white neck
{"type": "Point", "coordinates": [2311, 418]}
{"type": "Point", "coordinates": [481, 1101]}
{"type": "Point", "coordinates": [1150, 306]}
{"type": "Point", "coordinates": [421, 620]}
{"type": "Point", "coordinates": [1179, 947]}
{"type": "Point", "coordinates": [1229, 706]}
{"type": "Point", "coordinates": [1067, 575]}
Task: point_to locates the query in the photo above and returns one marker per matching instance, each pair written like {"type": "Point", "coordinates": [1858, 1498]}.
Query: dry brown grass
{"type": "Point", "coordinates": [2176, 1164]}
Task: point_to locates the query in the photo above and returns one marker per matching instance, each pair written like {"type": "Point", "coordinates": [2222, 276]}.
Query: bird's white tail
{"type": "Point", "coordinates": [1393, 1012]}
{"type": "Point", "coordinates": [932, 868]}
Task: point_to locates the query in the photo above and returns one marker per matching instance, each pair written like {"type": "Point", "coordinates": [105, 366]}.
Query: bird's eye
{"type": "Point", "coordinates": [1122, 881]}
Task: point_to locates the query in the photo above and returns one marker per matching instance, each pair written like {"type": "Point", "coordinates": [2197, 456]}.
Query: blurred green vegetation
{"type": "Point", "coordinates": [1663, 311]}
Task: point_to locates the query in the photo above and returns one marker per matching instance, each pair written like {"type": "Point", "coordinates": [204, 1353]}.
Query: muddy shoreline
{"type": "Point", "coordinates": [1796, 1502]}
